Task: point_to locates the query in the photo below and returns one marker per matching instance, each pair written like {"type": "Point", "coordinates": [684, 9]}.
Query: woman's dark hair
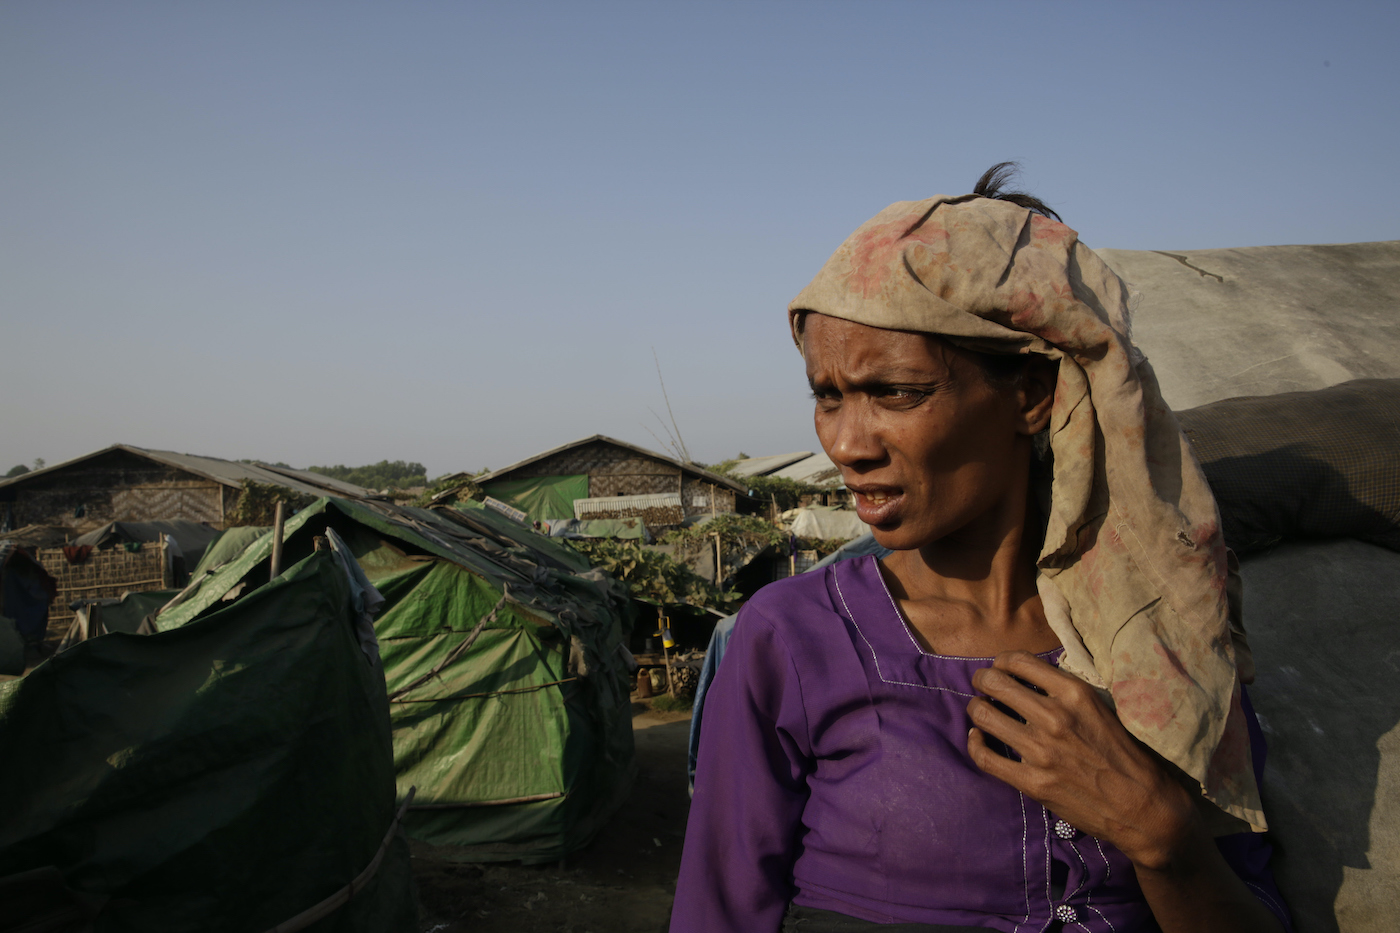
{"type": "Point", "coordinates": [995, 179]}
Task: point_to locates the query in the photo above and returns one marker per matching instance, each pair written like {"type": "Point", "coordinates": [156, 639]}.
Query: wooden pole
{"type": "Point", "coordinates": [665, 652]}
{"type": "Point", "coordinates": [277, 523]}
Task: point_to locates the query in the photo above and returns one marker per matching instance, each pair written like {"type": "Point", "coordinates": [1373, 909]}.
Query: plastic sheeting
{"type": "Point", "coordinates": [222, 777]}
{"type": "Point", "coordinates": [502, 655]}
{"type": "Point", "coordinates": [541, 497]}
{"type": "Point", "coordinates": [831, 524]}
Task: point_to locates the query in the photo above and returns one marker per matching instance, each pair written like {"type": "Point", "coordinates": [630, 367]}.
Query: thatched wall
{"type": "Point", "coordinates": [116, 486]}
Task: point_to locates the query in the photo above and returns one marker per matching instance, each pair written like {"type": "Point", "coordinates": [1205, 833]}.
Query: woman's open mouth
{"type": "Point", "coordinates": [877, 505]}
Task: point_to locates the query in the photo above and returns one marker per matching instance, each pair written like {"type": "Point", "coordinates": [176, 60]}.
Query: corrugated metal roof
{"type": "Point", "coordinates": [763, 466]}
{"type": "Point", "coordinates": [690, 468]}
{"type": "Point", "coordinates": [226, 472]}
{"type": "Point", "coordinates": [816, 470]}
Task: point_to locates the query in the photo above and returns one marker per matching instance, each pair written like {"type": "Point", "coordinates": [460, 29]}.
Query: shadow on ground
{"type": "Point", "coordinates": [623, 882]}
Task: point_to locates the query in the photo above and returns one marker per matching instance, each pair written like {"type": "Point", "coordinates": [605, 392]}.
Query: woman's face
{"type": "Point", "coordinates": [929, 448]}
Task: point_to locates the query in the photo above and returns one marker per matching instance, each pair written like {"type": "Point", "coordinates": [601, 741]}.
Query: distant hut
{"type": "Point", "coordinates": [601, 477]}
{"type": "Point", "coordinates": [123, 483]}
{"type": "Point", "coordinates": [169, 492]}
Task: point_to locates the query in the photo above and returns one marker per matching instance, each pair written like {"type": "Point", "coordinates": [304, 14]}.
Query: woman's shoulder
{"type": "Point", "coordinates": [807, 600]}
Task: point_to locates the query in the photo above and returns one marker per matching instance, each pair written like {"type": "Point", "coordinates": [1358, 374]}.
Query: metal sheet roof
{"type": "Point", "coordinates": [226, 472]}
{"type": "Point", "coordinates": [816, 470]}
{"type": "Point", "coordinates": [691, 468]}
{"type": "Point", "coordinates": [763, 466]}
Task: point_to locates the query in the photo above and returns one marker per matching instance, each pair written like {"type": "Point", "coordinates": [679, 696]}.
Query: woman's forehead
{"type": "Point", "coordinates": [861, 353]}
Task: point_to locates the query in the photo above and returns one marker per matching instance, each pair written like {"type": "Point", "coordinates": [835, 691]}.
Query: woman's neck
{"type": "Point", "coordinates": [973, 593]}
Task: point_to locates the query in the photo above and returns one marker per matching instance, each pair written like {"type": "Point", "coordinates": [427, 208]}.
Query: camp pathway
{"type": "Point", "coordinates": [623, 882]}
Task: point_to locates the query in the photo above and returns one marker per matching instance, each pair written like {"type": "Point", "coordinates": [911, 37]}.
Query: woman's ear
{"type": "Point", "coordinates": [1038, 393]}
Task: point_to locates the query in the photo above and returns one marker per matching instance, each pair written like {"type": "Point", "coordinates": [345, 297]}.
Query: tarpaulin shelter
{"type": "Point", "coordinates": [26, 589]}
{"type": "Point", "coordinates": [506, 669]}
{"type": "Point", "coordinates": [191, 539]}
{"type": "Point", "coordinates": [229, 775]}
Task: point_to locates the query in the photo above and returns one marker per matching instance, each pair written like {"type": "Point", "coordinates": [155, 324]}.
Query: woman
{"type": "Point", "coordinates": [924, 740]}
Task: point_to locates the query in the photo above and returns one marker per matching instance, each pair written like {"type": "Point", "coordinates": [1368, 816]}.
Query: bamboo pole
{"type": "Point", "coordinates": [277, 528]}
{"type": "Point", "coordinates": [665, 652]}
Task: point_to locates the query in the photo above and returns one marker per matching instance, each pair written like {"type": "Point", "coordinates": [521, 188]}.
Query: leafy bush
{"type": "Point", "coordinates": [737, 533]}
{"type": "Point", "coordinates": [652, 575]}
{"type": "Point", "coordinates": [787, 492]}
{"type": "Point", "coordinates": [462, 483]}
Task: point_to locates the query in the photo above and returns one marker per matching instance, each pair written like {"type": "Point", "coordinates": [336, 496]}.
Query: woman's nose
{"type": "Point", "coordinates": [853, 437]}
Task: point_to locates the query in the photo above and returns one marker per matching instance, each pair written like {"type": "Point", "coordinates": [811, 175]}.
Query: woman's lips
{"type": "Point", "coordinates": [877, 505]}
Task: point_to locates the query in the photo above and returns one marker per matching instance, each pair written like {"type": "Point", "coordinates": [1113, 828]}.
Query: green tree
{"type": "Point", "coordinates": [386, 474]}
{"type": "Point", "coordinates": [19, 469]}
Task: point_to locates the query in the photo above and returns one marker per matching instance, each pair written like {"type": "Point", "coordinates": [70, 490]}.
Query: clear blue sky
{"type": "Point", "coordinates": [448, 232]}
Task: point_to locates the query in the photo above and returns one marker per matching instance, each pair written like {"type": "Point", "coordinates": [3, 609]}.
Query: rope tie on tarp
{"type": "Point", "coordinates": [457, 652]}
{"type": "Point", "coordinates": [342, 897]}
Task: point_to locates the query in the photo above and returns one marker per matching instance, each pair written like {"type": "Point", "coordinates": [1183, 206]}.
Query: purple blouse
{"type": "Point", "coordinates": [833, 773]}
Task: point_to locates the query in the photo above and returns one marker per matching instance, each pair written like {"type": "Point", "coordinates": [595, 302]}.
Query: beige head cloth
{"type": "Point", "coordinates": [1133, 572]}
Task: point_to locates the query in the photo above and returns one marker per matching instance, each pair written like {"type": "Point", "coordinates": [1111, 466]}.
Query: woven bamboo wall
{"type": "Point", "coordinates": [109, 572]}
{"type": "Point", "coordinates": [702, 498]}
{"type": "Point", "coordinates": [116, 486]}
{"type": "Point", "coordinates": [611, 470]}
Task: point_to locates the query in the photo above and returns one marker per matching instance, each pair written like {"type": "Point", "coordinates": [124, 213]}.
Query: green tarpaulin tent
{"type": "Point", "coordinates": [541, 497]}
{"type": "Point", "coordinates": [506, 669]}
{"type": "Point", "coordinates": [226, 775]}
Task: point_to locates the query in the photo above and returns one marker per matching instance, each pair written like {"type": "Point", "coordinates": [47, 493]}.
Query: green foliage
{"type": "Point", "coordinates": [19, 469]}
{"type": "Point", "coordinates": [737, 533]}
{"type": "Point", "coordinates": [258, 503]}
{"type": "Point", "coordinates": [461, 483]}
{"type": "Point", "coordinates": [787, 492]}
{"type": "Point", "coordinates": [652, 575]}
{"type": "Point", "coordinates": [669, 704]}
{"type": "Point", "coordinates": [823, 546]}
{"type": "Point", "coordinates": [385, 474]}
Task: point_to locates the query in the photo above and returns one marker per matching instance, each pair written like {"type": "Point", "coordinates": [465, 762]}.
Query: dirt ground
{"type": "Point", "coordinates": [622, 883]}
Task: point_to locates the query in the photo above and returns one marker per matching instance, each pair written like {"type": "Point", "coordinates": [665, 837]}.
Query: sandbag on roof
{"type": "Point", "coordinates": [225, 776]}
{"type": "Point", "coordinates": [1314, 464]}
{"type": "Point", "coordinates": [502, 656]}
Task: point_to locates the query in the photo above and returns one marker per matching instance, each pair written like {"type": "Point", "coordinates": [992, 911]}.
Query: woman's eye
{"type": "Point", "coordinates": [903, 394]}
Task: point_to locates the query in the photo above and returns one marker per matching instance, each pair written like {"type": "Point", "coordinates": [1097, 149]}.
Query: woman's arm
{"type": "Point", "coordinates": [750, 790]}
{"type": "Point", "coordinates": [1079, 762]}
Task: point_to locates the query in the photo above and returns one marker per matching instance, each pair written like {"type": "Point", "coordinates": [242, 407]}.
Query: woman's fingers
{"type": "Point", "coordinates": [989, 719]}
{"type": "Point", "coordinates": [1033, 670]}
{"type": "Point", "coordinates": [998, 766]}
{"type": "Point", "coordinates": [1005, 688]}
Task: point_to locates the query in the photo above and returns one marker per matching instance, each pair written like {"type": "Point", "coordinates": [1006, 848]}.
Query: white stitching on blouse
{"type": "Point", "coordinates": [1088, 895]}
{"type": "Point", "coordinates": [875, 657]}
{"type": "Point", "coordinates": [1108, 873]}
{"type": "Point", "coordinates": [1265, 896]}
{"type": "Point", "coordinates": [1049, 895]}
{"type": "Point", "coordinates": [1025, 864]}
